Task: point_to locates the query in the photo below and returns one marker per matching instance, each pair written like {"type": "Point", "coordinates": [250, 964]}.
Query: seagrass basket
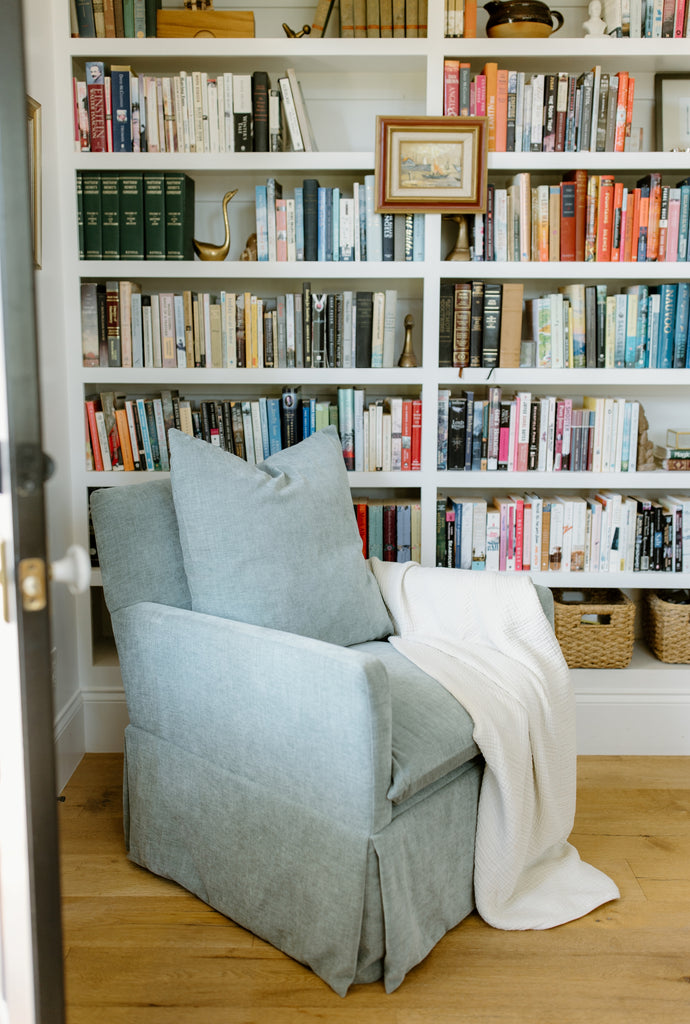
{"type": "Point", "coordinates": [667, 628]}
{"type": "Point", "coordinates": [595, 628]}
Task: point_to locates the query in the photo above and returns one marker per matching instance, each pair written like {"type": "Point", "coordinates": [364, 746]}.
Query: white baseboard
{"type": "Point", "coordinates": [105, 719]}
{"type": "Point", "coordinates": [630, 723]}
{"type": "Point", "coordinates": [634, 723]}
{"type": "Point", "coordinates": [69, 739]}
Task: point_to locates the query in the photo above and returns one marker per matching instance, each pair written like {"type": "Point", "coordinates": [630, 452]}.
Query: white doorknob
{"type": "Point", "coordinates": [74, 569]}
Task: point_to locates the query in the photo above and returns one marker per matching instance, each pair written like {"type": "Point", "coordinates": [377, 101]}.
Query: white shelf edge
{"type": "Point", "coordinates": [591, 378]}
{"type": "Point", "coordinates": [540, 481]}
{"type": "Point", "coordinates": [557, 271]}
{"type": "Point", "coordinates": [220, 163]}
{"type": "Point", "coordinates": [239, 377]}
{"type": "Point", "coordinates": [251, 270]}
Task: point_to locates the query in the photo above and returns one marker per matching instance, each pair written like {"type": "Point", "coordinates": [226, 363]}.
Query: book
{"type": "Point", "coordinates": [179, 189]}
{"type": "Point", "coordinates": [305, 126]}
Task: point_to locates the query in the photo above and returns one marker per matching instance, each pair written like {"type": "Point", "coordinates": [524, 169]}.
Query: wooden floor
{"type": "Point", "coordinates": [140, 950]}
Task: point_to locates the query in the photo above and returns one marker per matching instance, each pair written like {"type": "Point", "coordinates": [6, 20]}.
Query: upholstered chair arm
{"type": "Point", "coordinates": [307, 719]}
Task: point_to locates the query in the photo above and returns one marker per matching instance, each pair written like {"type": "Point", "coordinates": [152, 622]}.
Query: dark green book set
{"type": "Point", "coordinates": [135, 215]}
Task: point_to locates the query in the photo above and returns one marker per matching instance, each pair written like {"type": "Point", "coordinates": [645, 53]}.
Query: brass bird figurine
{"type": "Point", "coordinates": [208, 251]}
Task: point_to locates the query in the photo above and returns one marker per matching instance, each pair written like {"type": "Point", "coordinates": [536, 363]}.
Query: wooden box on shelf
{"type": "Point", "coordinates": [595, 628]}
{"type": "Point", "coordinates": [667, 627]}
{"type": "Point", "coordinates": [205, 24]}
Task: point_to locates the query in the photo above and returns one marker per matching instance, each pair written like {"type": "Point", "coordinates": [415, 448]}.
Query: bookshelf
{"type": "Point", "coordinates": [360, 78]}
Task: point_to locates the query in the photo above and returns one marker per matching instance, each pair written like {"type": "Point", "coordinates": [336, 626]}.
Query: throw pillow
{"type": "Point", "coordinates": [275, 544]}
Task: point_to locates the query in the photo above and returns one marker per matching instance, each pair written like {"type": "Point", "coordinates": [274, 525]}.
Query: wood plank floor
{"type": "Point", "coordinates": [140, 950]}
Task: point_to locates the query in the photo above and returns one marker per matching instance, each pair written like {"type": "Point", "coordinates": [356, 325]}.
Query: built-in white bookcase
{"type": "Point", "coordinates": [346, 83]}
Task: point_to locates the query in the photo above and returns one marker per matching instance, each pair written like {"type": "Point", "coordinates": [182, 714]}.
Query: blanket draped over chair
{"type": "Point", "coordinates": [485, 638]}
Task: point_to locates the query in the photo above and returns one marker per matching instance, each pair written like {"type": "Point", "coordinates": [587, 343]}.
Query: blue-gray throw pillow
{"type": "Point", "coordinates": [275, 544]}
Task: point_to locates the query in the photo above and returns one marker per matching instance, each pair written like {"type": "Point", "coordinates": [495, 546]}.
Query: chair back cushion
{"type": "Point", "coordinates": [276, 544]}
{"type": "Point", "coordinates": [139, 545]}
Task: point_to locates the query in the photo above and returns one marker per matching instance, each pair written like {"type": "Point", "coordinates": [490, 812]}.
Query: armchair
{"type": "Point", "coordinates": [322, 796]}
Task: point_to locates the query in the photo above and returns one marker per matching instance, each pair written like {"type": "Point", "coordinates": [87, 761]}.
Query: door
{"type": "Point", "coordinates": [31, 988]}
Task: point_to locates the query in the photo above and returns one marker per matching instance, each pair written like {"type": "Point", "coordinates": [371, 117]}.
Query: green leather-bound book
{"type": "Point", "coordinates": [154, 215]}
{"type": "Point", "coordinates": [93, 224]}
{"type": "Point", "coordinates": [110, 214]}
{"type": "Point", "coordinates": [132, 216]}
{"type": "Point", "coordinates": [179, 216]}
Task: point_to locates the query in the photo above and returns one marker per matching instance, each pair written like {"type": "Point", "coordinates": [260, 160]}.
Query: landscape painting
{"type": "Point", "coordinates": [431, 164]}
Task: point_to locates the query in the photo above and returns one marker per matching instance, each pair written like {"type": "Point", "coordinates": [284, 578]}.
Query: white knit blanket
{"type": "Point", "coordinates": [485, 637]}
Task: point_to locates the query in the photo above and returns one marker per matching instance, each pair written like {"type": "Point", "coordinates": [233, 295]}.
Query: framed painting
{"type": "Point", "coordinates": [33, 120]}
{"type": "Point", "coordinates": [431, 164]}
{"type": "Point", "coordinates": [672, 111]}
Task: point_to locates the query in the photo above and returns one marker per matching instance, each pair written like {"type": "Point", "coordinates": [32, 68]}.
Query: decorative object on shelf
{"type": "Point", "coordinates": [521, 19]}
{"type": "Point", "coordinates": [595, 25]}
{"type": "Point", "coordinates": [672, 112]}
{"type": "Point", "coordinates": [249, 251]}
{"type": "Point", "coordinates": [291, 34]}
{"type": "Point", "coordinates": [407, 356]}
{"type": "Point", "coordinates": [208, 251]}
{"type": "Point", "coordinates": [645, 447]}
{"type": "Point", "coordinates": [33, 115]}
{"type": "Point", "coordinates": [461, 251]}
{"type": "Point", "coordinates": [198, 19]}
{"type": "Point", "coordinates": [431, 164]}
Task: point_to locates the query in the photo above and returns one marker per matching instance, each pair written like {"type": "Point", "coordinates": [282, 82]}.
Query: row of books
{"type": "Point", "coordinates": [321, 222]}
{"type": "Point", "coordinates": [374, 19]}
{"type": "Point", "coordinates": [191, 112]}
{"type": "Point", "coordinates": [551, 112]}
{"type": "Point", "coordinates": [132, 19]}
{"type": "Point", "coordinates": [544, 434]}
{"type": "Point", "coordinates": [646, 19]}
{"type": "Point", "coordinates": [131, 433]}
{"type": "Point", "coordinates": [480, 323]}
{"type": "Point", "coordinates": [125, 327]}
{"type": "Point", "coordinates": [390, 531]}
{"type": "Point", "coordinates": [135, 215]}
{"type": "Point", "coordinates": [585, 217]}
{"type": "Point", "coordinates": [644, 326]}
{"type": "Point", "coordinates": [606, 532]}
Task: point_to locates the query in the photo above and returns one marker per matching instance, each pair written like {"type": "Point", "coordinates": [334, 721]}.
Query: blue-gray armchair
{"type": "Point", "coordinates": [300, 776]}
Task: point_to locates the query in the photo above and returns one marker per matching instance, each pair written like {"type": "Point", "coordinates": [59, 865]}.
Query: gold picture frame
{"type": "Point", "coordinates": [33, 115]}
{"type": "Point", "coordinates": [431, 164]}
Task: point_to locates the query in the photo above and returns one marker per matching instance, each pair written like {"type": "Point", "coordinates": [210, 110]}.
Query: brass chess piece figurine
{"type": "Point", "coordinates": [407, 356]}
{"type": "Point", "coordinates": [304, 31]}
{"type": "Point", "coordinates": [209, 251]}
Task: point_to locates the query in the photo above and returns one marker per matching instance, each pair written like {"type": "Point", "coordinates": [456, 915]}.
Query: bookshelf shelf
{"type": "Point", "coordinates": [502, 480]}
{"type": "Point", "coordinates": [268, 378]}
{"type": "Point", "coordinates": [266, 271]}
{"type": "Point", "coordinates": [199, 164]}
{"type": "Point", "coordinates": [347, 82]}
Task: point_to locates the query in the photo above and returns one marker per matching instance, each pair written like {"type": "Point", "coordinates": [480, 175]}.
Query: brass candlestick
{"type": "Point", "coordinates": [462, 244]}
{"type": "Point", "coordinates": [407, 356]}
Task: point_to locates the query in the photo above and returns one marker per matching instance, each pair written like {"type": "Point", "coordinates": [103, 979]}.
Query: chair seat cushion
{"type": "Point", "coordinates": [275, 544]}
{"type": "Point", "coordinates": [432, 732]}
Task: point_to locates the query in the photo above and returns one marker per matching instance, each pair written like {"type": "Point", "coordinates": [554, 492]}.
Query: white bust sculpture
{"type": "Point", "coordinates": [594, 26]}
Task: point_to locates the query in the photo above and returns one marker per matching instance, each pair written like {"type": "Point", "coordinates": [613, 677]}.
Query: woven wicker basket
{"type": "Point", "coordinates": [667, 629]}
{"type": "Point", "coordinates": [595, 628]}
